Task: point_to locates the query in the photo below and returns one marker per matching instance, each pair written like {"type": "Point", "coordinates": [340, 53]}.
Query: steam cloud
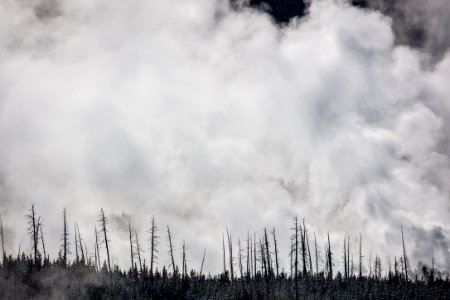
{"type": "Point", "coordinates": [208, 117]}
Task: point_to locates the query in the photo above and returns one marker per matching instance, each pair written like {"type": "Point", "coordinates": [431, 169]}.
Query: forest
{"type": "Point", "coordinates": [251, 269]}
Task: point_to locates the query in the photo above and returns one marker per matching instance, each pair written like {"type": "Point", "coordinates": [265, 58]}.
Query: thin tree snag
{"type": "Point", "coordinates": [153, 244]}
{"type": "Point", "coordinates": [316, 254]}
{"type": "Point", "coordinates": [171, 250]}
{"type": "Point", "coordinates": [65, 238]}
{"type": "Point", "coordinates": [138, 249]}
{"type": "Point", "coordinates": [103, 224]}
{"type": "Point", "coordinates": [203, 261]}
{"type": "Point", "coordinates": [2, 237]}
{"type": "Point", "coordinates": [276, 250]}
{"type": "Point", "coordinates": [230, 249]}
{"type": "Point", "coordinates": [404, 255]}
{"type": "Point", "coordinates": [224, 259]}
{"type": "Point", "coordinates": [131, 245]}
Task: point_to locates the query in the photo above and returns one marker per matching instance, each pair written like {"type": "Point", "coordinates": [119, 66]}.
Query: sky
{"type": "Point", "coordinates": [208, 118]}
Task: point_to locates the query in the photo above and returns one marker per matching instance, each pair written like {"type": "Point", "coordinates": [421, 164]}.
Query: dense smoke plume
{"type": "Point", "coordinates": [206, 116]}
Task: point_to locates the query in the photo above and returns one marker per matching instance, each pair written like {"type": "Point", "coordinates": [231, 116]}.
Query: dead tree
{"type": "Point", "coordinates": [169, 237]}
{"type": "Point", "coordinates": [276, 250]}
{"type": "Point", "coordinates": [138, 250]}
{"type": "Point", "coordinates": [41, 231]}
{"type": "Point", "coordinates": [97, 250]}
{"type": "Point", "coordinates": [251, 258]}
{"type": "Point", "coordinates": [404, 256]}
{"type": "Point", "coordinates": [360, 256]}
{"type": "Point", "coordinates": [263, 259]}
{"type": "Point", "coordinates": [184, 266]}
{"type": "Point", "coordinates": [316, 254]}
{"type": "Point", "coordinates": [303, 245]}
{"type": "Point", "coordinates": [224, 260]}
{"type": "Point", "coordinates": [345, 258]}
{"type": "Point", "coordinates": [33, 231]}
{"type": "Point", "coordinates": [2, 237]}
{"type": "Point", "coordinates": [248, 254]}
{"type": "Point", "coordinates": [203, 261]}
{"type": "Point", "coordinates": [330, 259]}
{"type": "Point", "coordinates": [254, 254]}
{"type": "Point", "coordinates": [76, 242]}
{"type": "Point", "coordinates": [230, 250]}
{"type": "Point", "coordinates": [103, 221]}
{"type": "Point", "coordinates": [296, 256]}
{"type": "Point", "coordinates": [348, 257]}
{"type": "Point", "coordinates": [153, 244]}
{"type": "Point", "coordinates": [83, 257]}
{"type": "Point", "coordinates": [240, 259]}
{"type": "Point", "coordinates": [267, 252]}
{"type": "Point", "coordinates": [131, 245]}
{"type": "Point", "coordinates": [309, 253]}
{"type": "Point", "coordinates": [65, 239]}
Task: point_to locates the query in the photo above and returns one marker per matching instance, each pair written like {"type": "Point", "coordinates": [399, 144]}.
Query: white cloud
{"type": "Point", "coordinates": [206, 118]}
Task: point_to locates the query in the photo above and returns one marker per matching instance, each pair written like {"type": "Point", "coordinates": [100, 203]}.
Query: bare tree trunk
{"type": "Point", "coordinates": [203, 261]}
{"type": "Point", "coordinates": [103, 223]}
{"type": "Point", "coordinates": [316, 254]}
{"type": "Point", "coordinates": [254, 254]}
{"type": "Point", "coordinates": [263, 259]}
{"type": "Point", "coordinates": [240, 259]}
{"type": "Point", "coordinates": [230, 249]}
{"type": "Point", "coordinates": [224, 260]}
{"type": "Point", "coordinates": [268, 260]}
{"type": "Point", "coordinates": [348, 257]}
{"type": "Point", "coordinates": [360, 256]}
{"type": "Point", "coordinates": [184, 275]}
{"type": "Point", "coordinates": [404, 256]}
{"type": "Point", "coordinates": [276, 250]}
{"type": "Point", "coordinates": [171, 250]}
{"type": "Point", "coordinates": [138, 249]}
{"type": "Point", "coordinates": [76, 242]}
{"type": "Point", "coordinates": [296, 257]}
{"type": "Point", "coordinates": [2, 237]}
{"type": "Point", "coordinates": [330, 260]}
{"type": "Point", "coordinates": [153, 244]}
{"type": "Point", "coordinates": [65, 238]}
{"type": "Point", "coordinates": [345, 258]}
{"type": "Point", "coordinates": [83, 259]}
{"type": "Point", "coordinates": [302, 232]}
{"type": "Point", "coordinates": [248, 254]}
{"type": "Point", "coordinates": [97, 249]}
{"type": "Point", "coordinates": [131, 246]}
{"type": "Point", "coordinates": [251, 258]}
{"type": "Point", "coordinates": [41, 230]}
{"type": "Point", "coordinates": [33, 231]}
{"type": "Point", "coordinates": [309, 254]}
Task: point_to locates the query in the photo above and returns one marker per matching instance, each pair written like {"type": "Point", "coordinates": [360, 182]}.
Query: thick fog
{"type": "Point", "coordinates": [208, 117]}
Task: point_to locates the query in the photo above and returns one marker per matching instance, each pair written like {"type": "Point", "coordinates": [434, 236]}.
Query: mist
{"type": "Point", "coordinates": [209, 117]}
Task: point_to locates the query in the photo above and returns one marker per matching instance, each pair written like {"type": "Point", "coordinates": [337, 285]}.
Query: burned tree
{"type": "Point", "coordinates": [404, 255]}
{"type": "Point", "coordinates": [138, 250]}
{"type": "Point", "coordinates": [153, 244]}
{"type": "Point", "coordinates": [203, 261]}
{"type": "Point", "coordinates": [169, 237]}
{"type": "Point", "coordinates": [103, 220]}
{"type": "Point", "coordinates": [2, 238]}
{"type": "Point", "coordinates": [131, 244]}
{"type": "Point", "coordinates": [65, 250]}
{"type": "Point", "coordinates": [230, 250]}
{"type": "Point", "coordinates": [276, 251]}
{"type": "Point", "coordinates": [33, 231]}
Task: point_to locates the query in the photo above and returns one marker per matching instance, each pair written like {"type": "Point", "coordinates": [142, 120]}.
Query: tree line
{"type": "Point", "coordinates": [251, 270]}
